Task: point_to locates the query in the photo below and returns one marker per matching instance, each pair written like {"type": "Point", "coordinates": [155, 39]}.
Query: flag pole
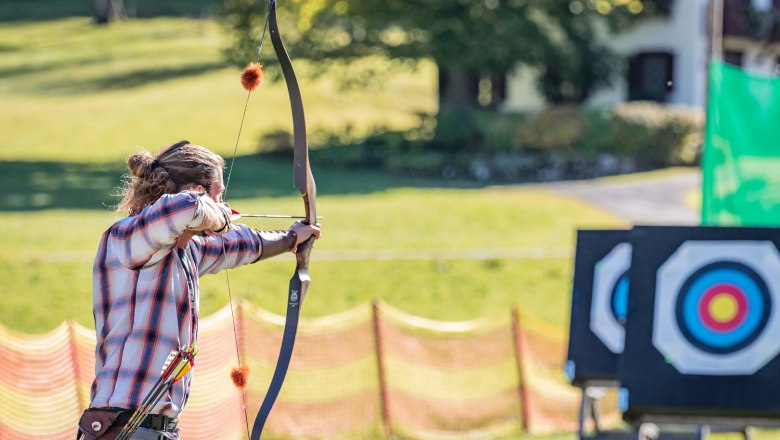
{"type": "Point", "coordinates": [716, 35]}
{"type": "Point", "coordinates": [714, 53]}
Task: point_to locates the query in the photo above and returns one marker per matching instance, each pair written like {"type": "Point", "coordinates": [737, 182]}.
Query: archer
{"type": "Point", "coordinates": [145, 285]}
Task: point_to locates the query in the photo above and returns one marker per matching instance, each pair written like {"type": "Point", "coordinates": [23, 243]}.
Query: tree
{"type": "Point", "coordinates": [473, 42]}
{"type": "Point", "coordinates": [107, 11]}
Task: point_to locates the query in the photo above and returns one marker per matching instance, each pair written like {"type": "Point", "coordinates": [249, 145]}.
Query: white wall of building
{"type": "Point", "coordinates": [683, 33]}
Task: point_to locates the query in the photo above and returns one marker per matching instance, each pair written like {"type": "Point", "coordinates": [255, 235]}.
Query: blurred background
{"type": "Point", "coordinates": [457, 147]}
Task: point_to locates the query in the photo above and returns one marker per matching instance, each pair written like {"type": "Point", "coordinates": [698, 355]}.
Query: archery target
{"type": "Point", "coordinates": [716, 307]}
{"type": "Point", "coordinates": [610, 297]}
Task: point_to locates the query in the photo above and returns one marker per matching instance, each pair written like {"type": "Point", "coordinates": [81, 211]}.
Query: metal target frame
{"type": "Point", "coordinates": [607, 277]}
{"type": "Point", "coordinates": [754, 264]}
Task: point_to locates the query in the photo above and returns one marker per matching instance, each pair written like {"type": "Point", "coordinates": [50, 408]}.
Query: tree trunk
{"type": "Point", "coordinates": [107, 11]}
{"type": "Point", "coordinates": [458, 88]}
{"type": "Point", "coordinates": [497, 89]}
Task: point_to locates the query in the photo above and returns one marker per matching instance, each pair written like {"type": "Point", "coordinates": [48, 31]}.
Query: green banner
{"type": "Point", "coordinates": [741, 159]}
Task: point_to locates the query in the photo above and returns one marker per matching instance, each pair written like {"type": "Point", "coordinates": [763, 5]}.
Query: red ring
{"type": "Point", "coordinates": [738, 318]}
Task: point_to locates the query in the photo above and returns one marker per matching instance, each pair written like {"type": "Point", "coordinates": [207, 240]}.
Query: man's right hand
{"type": "Point", "coordinates": [216, 219]}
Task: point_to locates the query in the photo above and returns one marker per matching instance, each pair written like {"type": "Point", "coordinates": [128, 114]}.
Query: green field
{"type": "Point", "coordinates": [78, 98]}
{"type": "Point", "coordinates": [76, 92]}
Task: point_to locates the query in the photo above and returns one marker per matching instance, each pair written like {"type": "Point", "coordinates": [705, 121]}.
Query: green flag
{"type": "Point", "coordinates": [741, 160]}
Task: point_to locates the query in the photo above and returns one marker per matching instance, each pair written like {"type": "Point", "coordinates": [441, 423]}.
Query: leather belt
{"type": "Point", "coordinates": [155, 422]}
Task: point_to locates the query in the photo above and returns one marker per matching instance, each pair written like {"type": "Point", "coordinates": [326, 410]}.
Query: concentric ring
{"type": "Point", "coordinates": [619, 300]}
{"type": "Point", "coordinates": [723, 307]}
{"type": "Point", "coordinates": [748, 307]}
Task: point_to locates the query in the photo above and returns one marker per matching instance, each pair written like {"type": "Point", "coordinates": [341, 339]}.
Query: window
{"type": "Point", "coordinates": [733, 57]}
{"type": "Point", "coordinates": [650, 76]}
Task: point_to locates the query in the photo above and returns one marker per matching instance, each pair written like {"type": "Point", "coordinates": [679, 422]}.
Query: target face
{"type": "Point", "coordinates": [610, 297]}
{"type": "Point", "coordinates": [716, 307]}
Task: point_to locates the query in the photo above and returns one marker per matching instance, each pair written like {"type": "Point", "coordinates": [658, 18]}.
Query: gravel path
{"type": "Point", "coordinates": [655, 200]}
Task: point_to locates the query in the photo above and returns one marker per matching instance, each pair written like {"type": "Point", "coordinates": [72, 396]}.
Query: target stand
{"type": "Point", "coordinates": [703, 334]}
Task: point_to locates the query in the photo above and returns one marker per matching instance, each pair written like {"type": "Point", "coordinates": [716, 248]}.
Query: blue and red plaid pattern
{"type": "Point", "coordinates": [145, 293]}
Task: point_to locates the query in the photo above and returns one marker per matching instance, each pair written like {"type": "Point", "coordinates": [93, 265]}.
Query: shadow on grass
{"type": "Point", "coordinates": [33, 67]}
{"type": "Point", "coordinates": [141, 77]}
{"type": "Point", "coordinates": [123, 81]}
{"type": "Point", "coordinates": [31, 186]}
{"type": "Point", "coordinates": [26, 10]}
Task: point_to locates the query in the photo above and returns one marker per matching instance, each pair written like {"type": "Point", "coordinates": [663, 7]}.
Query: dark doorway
{"type": "Point", "coordinates": [650, 76]}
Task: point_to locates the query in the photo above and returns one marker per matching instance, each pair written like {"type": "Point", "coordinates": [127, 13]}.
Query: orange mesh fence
{"type": "Point", "coordinates": [553, 405]}
{"type": "Point", "coordinates": [365, 373]}
{"type": "Point", "coordinates": [38, 385]}
{"type": "Point", "coordinates": [446, 378]}
{"type": "Point", "coordinates": [332, 385]}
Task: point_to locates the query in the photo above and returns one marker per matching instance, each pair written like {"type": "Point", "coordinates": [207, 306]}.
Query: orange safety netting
{"type": "Point", "coordinates": [365, 373]}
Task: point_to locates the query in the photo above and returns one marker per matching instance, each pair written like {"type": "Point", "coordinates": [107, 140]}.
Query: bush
{"type": "Point", "coordinates": [552, 129]}
{"type": "Point", "coordinates": [556, 143]}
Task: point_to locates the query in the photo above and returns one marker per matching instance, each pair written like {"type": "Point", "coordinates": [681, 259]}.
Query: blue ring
{"type": "Point", "coordinates": [619, 300]}
{"type": "Point", "coordinates": [758, 302]}
{"type": "Point", "coordinates": [694, 321]}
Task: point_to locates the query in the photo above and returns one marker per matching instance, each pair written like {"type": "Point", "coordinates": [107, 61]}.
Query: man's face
{"type": "Point", "coordinates": [217, 188]}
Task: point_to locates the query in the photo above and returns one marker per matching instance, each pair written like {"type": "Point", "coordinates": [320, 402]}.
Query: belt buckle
{"type": "Point", "coordinates": [158, 422]}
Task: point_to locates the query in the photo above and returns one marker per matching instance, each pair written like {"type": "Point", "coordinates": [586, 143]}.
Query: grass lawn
{"type": "Point", "coordinates": [78, 98]}
{"type": "Point", "coordinates": [76, 92]}
{"type": "Point", "coordinates": [46, 269]}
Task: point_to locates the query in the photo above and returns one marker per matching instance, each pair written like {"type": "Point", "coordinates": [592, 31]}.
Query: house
{"type": "Point", "coordinates": [666, 58]}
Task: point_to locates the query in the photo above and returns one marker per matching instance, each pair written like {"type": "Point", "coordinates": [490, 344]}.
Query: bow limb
{"type": "Point", "coordinates": [304, 182]}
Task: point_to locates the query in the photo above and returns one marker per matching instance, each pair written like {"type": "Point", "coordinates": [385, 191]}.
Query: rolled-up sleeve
{"type": "Point", "coordinates": [239, 246]}
{"type": "Point", "coordinates": [143, 239]}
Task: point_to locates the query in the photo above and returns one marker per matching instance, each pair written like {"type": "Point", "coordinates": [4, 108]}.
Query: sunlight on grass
{"type": "Point", "coordinates": [46, 269]}
{"type": "Point", "coordinates": [73, 91]}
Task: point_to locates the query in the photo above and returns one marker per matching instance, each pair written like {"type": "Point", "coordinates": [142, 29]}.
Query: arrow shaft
{"type": "Point", "coordinates": [272, 216]}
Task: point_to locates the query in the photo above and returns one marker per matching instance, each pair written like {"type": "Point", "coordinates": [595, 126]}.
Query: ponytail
{"type": "Point", "coordinates": [176, 167]}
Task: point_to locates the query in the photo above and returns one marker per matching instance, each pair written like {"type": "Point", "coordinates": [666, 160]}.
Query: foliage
{"type": "Point", "coordinates": [557, 142]}
{"type": "Point", "coordinates": [577, 63]}
{"type": "Point", "coordinates": [554, 128]}
{"type": "Point", "coordinates": [475, 38]}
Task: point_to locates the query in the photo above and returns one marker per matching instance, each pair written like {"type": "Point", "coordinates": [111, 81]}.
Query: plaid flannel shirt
{"type": "Point", "coordinates": [145, 293]}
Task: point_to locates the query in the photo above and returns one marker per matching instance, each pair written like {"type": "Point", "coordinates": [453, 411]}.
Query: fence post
{"type": "Point", "coordinates": [387, 424]}
{"type": "Point", "coordinates": [520, 345]}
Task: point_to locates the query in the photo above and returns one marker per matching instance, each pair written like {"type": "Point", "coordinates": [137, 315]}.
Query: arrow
{"type": "Point", "coordinates": [237, 215]}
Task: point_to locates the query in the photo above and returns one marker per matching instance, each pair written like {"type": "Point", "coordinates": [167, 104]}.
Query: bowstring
{"type": "Point", "coordinates": [224, 197]}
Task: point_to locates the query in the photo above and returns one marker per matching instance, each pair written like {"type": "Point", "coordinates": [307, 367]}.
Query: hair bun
{"type": "Point", "coordinates": [141, 164]}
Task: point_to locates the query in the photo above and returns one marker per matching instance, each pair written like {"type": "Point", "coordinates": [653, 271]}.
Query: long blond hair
{"type": "Point", "coordinates": [174, 168]}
